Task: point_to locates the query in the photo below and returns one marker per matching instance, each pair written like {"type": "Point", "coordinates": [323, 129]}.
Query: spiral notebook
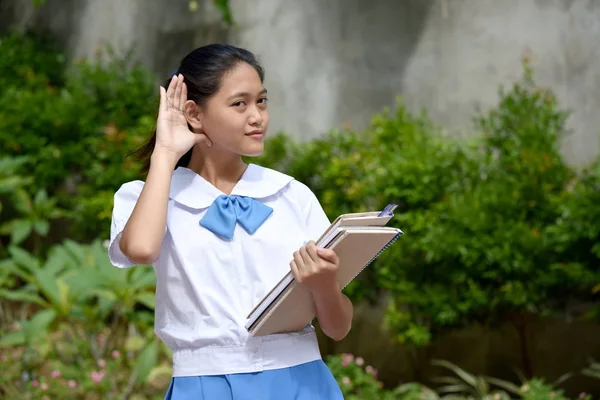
{"type": "Point", "coordinates": [358, 239]}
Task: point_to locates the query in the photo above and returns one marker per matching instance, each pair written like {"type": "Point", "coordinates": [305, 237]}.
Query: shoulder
{"type": "Point", "coordinates": [128, 193]}
{"type": "Point", "coordinates": [302, 192]}
{"type": "Point", "coordinates": [262, 182]}
{"type": "Point", "coordinates": [131, 188]}
{"type": "Point", "coordinates": [270, 181]}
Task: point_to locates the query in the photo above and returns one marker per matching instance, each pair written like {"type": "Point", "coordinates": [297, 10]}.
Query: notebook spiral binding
{"type": "Point", "coordinates": [400, 233]}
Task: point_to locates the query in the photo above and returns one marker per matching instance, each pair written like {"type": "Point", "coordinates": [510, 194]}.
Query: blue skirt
{"type": "Point", "coordinates": [309, 381]}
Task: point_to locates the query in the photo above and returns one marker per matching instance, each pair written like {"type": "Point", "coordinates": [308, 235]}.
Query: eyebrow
{"type": "Point", "coordinates": [246, 94]}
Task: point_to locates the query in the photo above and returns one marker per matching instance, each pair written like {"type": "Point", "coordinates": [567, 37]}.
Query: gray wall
{"type": "Point", "coordinates": [336, 63]}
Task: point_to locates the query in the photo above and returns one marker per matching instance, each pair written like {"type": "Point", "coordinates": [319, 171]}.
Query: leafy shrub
{"type": "Point", "coordinates": [498, 228]}
{"type": "Point", "coordinates": [75, 130]}
{"type": "Point", "coordinates": [76, 317]}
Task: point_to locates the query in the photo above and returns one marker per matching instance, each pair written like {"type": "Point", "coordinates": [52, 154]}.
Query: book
{"type": "Point", "coordinates": [357, 238]}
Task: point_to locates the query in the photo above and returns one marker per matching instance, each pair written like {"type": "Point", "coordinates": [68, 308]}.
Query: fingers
{"type": "Point", "coordinates": [295, 271]}
{"type": "Point", "coordinates": [171, 91]}
{"type": "Point", "coordinates": [177, 94]}
{"type": "Point", "coordinates": [328, 255]}
{"type": "Point", "coordinates": [311, 249]}
{"type": "Point", "coordinates": [305, 256]}
{"type": "Point", "coordinates": [162, 106]}
{"type": "Point", "coordinates": [183, 98]}
{"type": "Point", "coordinates": [299, 261]}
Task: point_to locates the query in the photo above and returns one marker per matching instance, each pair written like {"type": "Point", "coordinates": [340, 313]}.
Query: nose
{"type": "Point", "coordinates": [256, 117]}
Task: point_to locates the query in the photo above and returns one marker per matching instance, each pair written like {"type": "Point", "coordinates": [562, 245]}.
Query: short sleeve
{"type": "Point", "coordinates": [124, 202]}
{"type": "Point", "coordinates": [316, 218]}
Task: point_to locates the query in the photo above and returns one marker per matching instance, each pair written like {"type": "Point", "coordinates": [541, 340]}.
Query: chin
{"type": "Point", "coordinates": [253, 151]}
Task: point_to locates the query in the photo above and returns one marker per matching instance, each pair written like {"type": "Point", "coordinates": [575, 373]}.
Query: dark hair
{"type": "Point", "coordinates": [203, 71]}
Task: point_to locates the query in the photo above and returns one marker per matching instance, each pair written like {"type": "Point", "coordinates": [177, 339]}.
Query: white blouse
{"type": "Point", "coordinates": [207, 285]}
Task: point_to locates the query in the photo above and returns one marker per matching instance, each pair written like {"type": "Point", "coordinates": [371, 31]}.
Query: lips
{"type": "Point", "coordinates": [256, 133]}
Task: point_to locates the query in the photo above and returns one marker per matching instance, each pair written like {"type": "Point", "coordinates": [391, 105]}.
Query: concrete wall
{"type": "Point", "coordinates": [343, 61]}
{"type": "Point", "coordinates": [338, 62]}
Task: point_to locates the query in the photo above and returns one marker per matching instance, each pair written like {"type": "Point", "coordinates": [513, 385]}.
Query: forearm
{"type": "Point", "coordinates": [143, 234]}
{"type": "Point", "coordinates": [334, 312]}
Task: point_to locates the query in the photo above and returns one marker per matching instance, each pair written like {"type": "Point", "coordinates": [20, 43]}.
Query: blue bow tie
{"type": "Point", "coordinates": [226, 211]}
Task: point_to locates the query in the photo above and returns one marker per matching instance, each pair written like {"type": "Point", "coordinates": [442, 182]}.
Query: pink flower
{"type": "Point", "coordinates": [582, 395]}
{"type": "Point", "coordinates": [359, 361]}
{"type": "Point", "coordinates": [72, 384]}
{"type": "Point", "coordinates": [347, 359]}
{"type": "Point", "coordinates": [116, 354]}
{"type": "Point", "coordinates": [55, 373]}
{"type": "Point", "coordinates": [371, 371]}
{"type": "Point", "coordinates": [346, 381]}
{"type": "Point", "coordinates": [35, 383]}
{"type": "Point", "coordinates": [101, 363]}
{"type": "Point", "coordinates": [44, 386]}
{"type": "Point", "coordinates": [97, 376]}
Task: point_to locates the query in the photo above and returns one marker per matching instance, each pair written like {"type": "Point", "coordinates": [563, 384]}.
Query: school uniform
{"type": "Point", "coordinates": [219, 257]}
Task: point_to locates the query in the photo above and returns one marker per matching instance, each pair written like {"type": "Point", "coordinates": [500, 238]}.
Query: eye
{"type": "Point", "coordinates": [264, 100]}
{"type": "Point", "coordinates": [239, 104]}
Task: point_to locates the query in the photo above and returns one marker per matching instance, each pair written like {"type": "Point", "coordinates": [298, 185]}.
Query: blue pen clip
{"type": "Point", "coordinates": [388, 211]}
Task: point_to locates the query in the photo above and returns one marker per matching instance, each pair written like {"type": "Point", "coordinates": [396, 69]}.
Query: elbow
{"type": "Point", "coordinates": [139, 253]}
{"type": "Point", "coordinates": [337, 334]}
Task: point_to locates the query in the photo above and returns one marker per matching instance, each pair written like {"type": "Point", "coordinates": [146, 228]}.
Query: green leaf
{"type": "Point", "coordinates": [147, 299]}
{"type": "Point", "coordinates": [21, 229]}
{"type": "Point", "coordinates": [13, 339]}
{"type": "Point", "coordinates": [22, 202]}
{"type": "Point", "coordinates": [20, 295]}
{"type": "Point", "coordinates": [134, 343]}
{"type": "Point", "coordinates": [38, 325]}
{"type": "Point", "coordinates": [41, 227]}
{"type": "Point", "coordinates": [55, 289]}
{"type": "Point", "coordinates": [145, 362]}
{"type": "Point", "coordinates": [40, 197]}
{"type": "Point", "coordinates": [24, 259]}
{"type": "Point", "coordinates": [224, 9]}
{"type": "Point", "coordinates": [465, 376]}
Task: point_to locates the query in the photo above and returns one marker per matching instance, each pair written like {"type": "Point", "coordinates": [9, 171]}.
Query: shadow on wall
{"type": "Point", "coordinates": [159, 33]}
{"type": "Point", "coordinates": [374, 40]}
{"type": "Point", "coordinates": [58, 17]}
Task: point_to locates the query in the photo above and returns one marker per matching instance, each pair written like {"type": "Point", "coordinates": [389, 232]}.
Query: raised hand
{"type": "Point", "coordinates": [172, 132]}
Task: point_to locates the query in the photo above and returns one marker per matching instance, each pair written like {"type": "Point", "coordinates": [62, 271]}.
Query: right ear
{"type": "Point", "coordinates": [193, 115]}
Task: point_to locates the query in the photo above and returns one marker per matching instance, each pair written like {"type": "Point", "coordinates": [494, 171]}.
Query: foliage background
{"type": "Point", "coordinates": [500, 231]}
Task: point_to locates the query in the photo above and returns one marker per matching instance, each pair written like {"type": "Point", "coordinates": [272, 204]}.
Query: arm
{"type": "Point", "coordinates": [316, 269]}
{"type": "Point", "coordinates": [334, 312]}
{"type": "Point", "coordinates": [143, 234]}
{"type": "Point", "coordinates": [145, 229]}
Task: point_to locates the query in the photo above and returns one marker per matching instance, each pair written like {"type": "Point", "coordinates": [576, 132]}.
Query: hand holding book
{"type": "Point", "coordinates": [315, 267]}
{"type": "Point", "coordinates": [357, 239]}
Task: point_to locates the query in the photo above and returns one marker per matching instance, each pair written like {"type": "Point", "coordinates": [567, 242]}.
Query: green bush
{"type": "Point", "coordinates": [75, 317]}
{"type": "Point", "coordinates": [75, 124]}
{"type": "Point", "coordinates": [498, 228]}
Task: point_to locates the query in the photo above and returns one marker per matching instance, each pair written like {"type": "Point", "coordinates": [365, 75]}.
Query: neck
{"type": "Point", "coordinates": [222, 169]}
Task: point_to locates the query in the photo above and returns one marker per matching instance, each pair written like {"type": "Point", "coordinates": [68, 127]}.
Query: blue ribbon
{"type": "Point", "coordinates": [226, 211]}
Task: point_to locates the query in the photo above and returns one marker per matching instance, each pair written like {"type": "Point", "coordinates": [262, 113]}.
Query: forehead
{"type": "Point", "coordinates": [242, 78]}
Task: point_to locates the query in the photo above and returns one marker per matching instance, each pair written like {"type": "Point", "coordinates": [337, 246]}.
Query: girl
{"type": "Point", "coordinates": [220, 233]}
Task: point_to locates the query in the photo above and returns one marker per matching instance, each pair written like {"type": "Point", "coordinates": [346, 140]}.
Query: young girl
{"type": "Point", "coordinates": [220, 233]}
